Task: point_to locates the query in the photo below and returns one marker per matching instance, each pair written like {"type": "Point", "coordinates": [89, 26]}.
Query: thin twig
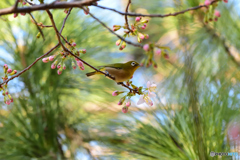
{"type": "Point", "coordinates": [155, 15]}
{"type": "Point", "coordinates": [126, 19]}
{"type": "Point", "coordinates": [55, 28]}
{"type": "Point", "coordinates": [64, 21]}
{"type": "Point", "coordinates": [30, 65]}
{"type": "Point", "coordinates": [104, 25]}
{"type": "Point", "coordinates": [15, 5]}
{"type": "Point", "coordinates": [35, 22]}
{"type": "Point", "coordinates": [59, 5]}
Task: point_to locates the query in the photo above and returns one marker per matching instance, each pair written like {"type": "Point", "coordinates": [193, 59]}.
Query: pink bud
{"type": "Point", "coordinates": [215, 19]}
{"type": "Point", "coordinates": [6, 66]}
{"type": "Point", "coordinates": [8, 102]}
{"type": "Point", "coordinates": [138, 19]}
{"type": "Point", "coordinates": [11, 99]}
{"type": "Point", "coordinates": [24, 3]}
{"type": "Point", "coordinates": [23, 14]}
{"type": "Point", "coordinates": [79, 63]}
{"type": "Point", "coordinates": [146, 47]}
{"type": "Point", "coordinates": [51, 58]}
{"type": "Point", "coordinates": [125, 109]}
{"type": "Point", "coordinates": [7, 93]}
{"type": "Point", "coordinates": [120, 48]}
{"type": "Point", "coordinates": [143, 27]}
{"type": "Point", "coordinates": [207, 2]}
{"type": "Point", "coordinates": [115, 93]}
{"type": "Point", "coordinates": [128, 104]}
{"type": "Point", "coordinates": [53, 66]}
{"type": "Point", "coordinates": [84, 51]}
{"type": "Point", "coordinates": [158, 52]}
{"type": "Point", "coordinates": [59, 72]}
{"type": "Point", "coordinates": [74, 67]}
{"type": "Point", "coordinates": [45, 60]}
{"type": "Point", "coordinates": [15, 15]}
{"type": "Point", "coordinates": [15, 71]}
{"type": "Point", "coordinates": [146, 36]}
{"type": "Point", "coordinates": [141, 35]}
{"type": "Point", "coordinates": [118, 42]}
{"type": "Point", "coordinates": [226, 1]}
{"type": "Point", "coordinates": [217, 13]}
{"type": "Point", "coordinates": [58, 66]}
{"type": "Point", "coordinates": [74, 44]}
{"type": "Point", "coordinates": [119, 103]}
{"type": "Point", "coordinates": [64, 67]}
{"type": "Point", "coordinates": [166, 56]}
{"type": "Point", "coordinates": [81, 68]}
{"type": "Point", "coordinates": [9, 70]}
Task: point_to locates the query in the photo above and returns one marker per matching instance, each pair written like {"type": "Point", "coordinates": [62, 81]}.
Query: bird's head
{"type": "Point", "coordinates": [132, 65]}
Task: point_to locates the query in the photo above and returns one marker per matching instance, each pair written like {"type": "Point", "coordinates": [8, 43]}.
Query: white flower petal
{"type": "Point", "coordinates": [141, 100]}
{"type": "Point", "coordinates": [148, 84]}
{"type": "Point", "coordinates": [151, 94]}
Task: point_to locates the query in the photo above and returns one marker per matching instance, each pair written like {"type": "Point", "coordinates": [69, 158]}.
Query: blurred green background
{"type": "Point", "coordinates": [74, 117]}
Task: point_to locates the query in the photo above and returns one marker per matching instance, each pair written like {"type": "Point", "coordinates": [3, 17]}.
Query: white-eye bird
{"type": "Point", "coordinates": [120, 71]}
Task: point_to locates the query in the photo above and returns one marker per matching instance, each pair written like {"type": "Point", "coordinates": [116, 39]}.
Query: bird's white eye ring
{"type": "Point", "coordinates": [133, 63]}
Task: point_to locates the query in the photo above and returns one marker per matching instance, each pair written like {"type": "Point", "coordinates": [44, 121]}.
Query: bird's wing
{"type": "Point", "coordinates": [116, 66]}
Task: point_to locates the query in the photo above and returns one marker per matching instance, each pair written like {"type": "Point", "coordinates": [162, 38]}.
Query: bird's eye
{"type": "Point", "coordinates": [133, 63]}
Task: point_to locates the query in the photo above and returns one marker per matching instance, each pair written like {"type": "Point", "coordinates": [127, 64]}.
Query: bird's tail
{"type": "Point", "coordinates": [91, 73]}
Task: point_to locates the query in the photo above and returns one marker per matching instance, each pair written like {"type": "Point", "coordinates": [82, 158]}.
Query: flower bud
{"type": "Point", "coordinates": [53, 66]}
{"type": "Point", "coordinates": [51, 58]}
{"type": "Point", "coordinates": [146, 36]}
{"type": "Point", "coordinates": [118, 42]}
{"type": "Point", "coordinates": [64, 66]}
{"type": "Point", "coordinates": [58, 66]}
{"type": "Point", "coordinates": [217, 13]}
{"type": "Point", "coordinates": [74, 44]}
{"type": "Point", "coordinates": [144, 21]}
{"type": "Point", "coordinates": [13, 72]}
{"type": "Point", "coordinates": [121, 100]}
{"type": "Point", "coordinates": [59, 71]}
{"type": "Point", "coordinates": [120, 48]}
{"type": "Point", "coordinates": [23, 14]}
{"type": "Point", "coordinates": [143, 27]}
{"type": "Point", "coordinates": [207, 2]}
{"type": "Point", "coordinates": [226, 1]}
{"type": "Point", "coordinates": [128, 104]}
{"type": "Point", "coordinates": [146, 47]}
{"type": "Point", "coordinates": [139, 39]}
{"type": "Point", "coordinates": [138, 19]}
{"type": "Point", "coordinates": [24, 3]}
{"type": "Point", "coordinates": [125, 109]}
{"type": "Point", "coordinates": [15, 15]}
{"type": "Point", "coordinates": [74, 65]}
{"type": "Point", "coordinates": [123, 45]}
{"type": "Point", "coordinates": [158, 52]}
{"type": "Point", "coordinates": [166, 56]}
{"type": "Point", "coordinates": [38, 35]}
{"type": "Point", "coordinates": [5, 66]}
{"type": "Point", "coordinates": [141, 35]}
{"type": "Point", "coordinates": [45, 60]}
{"type": "Point", "coordinates": [84, 51]}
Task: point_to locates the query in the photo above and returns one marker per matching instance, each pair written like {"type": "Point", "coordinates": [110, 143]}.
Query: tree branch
{"type": "Point", "coordinates": [155, 15]}
{"type": "Point", "coordinates": [54, 5]}
{"type": "Point", "coordinates": [126, 19]}
{"type": "Point", "coordinates": [104, 25]}
{"type": "Point", "coordinates": [35, 22]}
{"type": "Point", "coordinates": [30, 65]}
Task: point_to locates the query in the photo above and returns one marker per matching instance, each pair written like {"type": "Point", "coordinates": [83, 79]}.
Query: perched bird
{"type": "Point", "coordinates": [120, 71]}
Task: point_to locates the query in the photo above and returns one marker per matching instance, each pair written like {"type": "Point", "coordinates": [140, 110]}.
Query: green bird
{"type": "Point", "coordinates": [120, 71]}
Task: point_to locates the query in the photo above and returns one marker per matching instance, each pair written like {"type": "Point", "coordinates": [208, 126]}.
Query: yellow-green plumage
{"type": "Point", "coordinates": [120, 71]}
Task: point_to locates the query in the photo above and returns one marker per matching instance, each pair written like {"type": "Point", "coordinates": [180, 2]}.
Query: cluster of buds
{"type": "Point", "coordinates": [8, 72]}
{"type": "Point", "coordinates": [22, 2]}
{"type": "Point", "coordinates": [211, 13]}
{"type": "Point", "coordinates": [145, 95]}
{"type": "Point", "coordinates": [152, 49]}
{"type": "Point", "coordinates": [134, 31]}
{"type": "Point", "coordinates": [62, 56]}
